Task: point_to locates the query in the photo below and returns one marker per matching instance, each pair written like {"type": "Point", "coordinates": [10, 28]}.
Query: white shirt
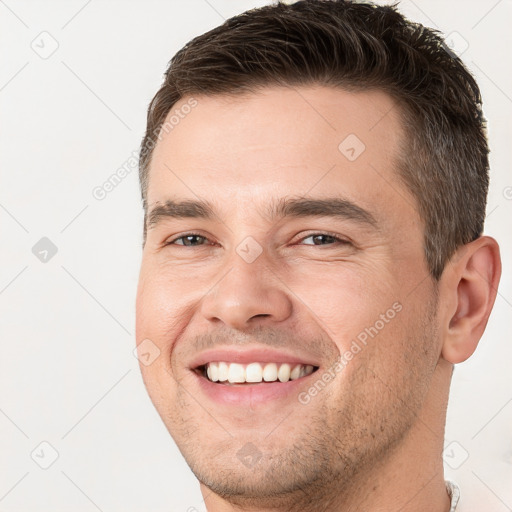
{"type": "Point", "coordinates": [454, 493]}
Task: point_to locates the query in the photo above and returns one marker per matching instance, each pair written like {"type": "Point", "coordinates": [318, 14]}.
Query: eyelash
{"type": "Point", "coordinates": [324, 233]}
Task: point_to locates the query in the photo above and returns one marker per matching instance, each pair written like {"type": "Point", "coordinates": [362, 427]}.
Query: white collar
{"type": "Point", "coordinates": [454, 493]}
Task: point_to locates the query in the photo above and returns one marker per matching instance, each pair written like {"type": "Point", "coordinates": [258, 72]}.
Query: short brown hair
{"type": "Point", "coordinates": [355, 46]}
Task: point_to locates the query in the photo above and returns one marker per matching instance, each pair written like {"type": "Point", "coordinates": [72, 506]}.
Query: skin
{"type": "Point", "coordinates": [372, 439]}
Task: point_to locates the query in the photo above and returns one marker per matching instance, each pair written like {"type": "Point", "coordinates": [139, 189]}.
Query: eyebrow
{"type": "Point", "coordinates": [335, 207]}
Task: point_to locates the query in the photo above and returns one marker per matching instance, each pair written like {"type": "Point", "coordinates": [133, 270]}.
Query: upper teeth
{"type": "Point", "coordinates": [256, 372]}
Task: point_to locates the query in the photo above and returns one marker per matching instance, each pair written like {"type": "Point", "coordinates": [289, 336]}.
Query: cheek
{"type": "Point", "coordinates": [166, 302]}
{"type": "Point", "coordinates": [154, 310]}
{"type": "Point", "coordinates": [159, 298]}
{"type": "Point", "coordinates": [155, 304]}
{"type": "Point", "coordinates": [346, 300]}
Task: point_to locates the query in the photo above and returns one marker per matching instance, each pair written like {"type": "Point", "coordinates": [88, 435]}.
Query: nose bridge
{"type": "Point", "coordinates": [248, 289]}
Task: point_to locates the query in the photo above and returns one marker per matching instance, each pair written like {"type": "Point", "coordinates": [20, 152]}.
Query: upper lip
{"type": "Point", "coordinates": [253, 355]}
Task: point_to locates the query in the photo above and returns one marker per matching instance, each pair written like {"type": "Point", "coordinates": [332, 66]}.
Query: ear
{"type": "Point", "coordinates": [469, 287]}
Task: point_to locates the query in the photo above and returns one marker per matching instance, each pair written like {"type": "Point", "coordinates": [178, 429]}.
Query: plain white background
{"type": "Point", "coordinates": [68, 377]}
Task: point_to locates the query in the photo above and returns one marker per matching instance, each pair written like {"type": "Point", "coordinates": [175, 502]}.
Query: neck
{"type": "Point", "coordinates": [410, 478]}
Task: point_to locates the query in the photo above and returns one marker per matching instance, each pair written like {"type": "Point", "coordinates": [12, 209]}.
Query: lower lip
{"type": "Point", "coordinates": [252, 394]}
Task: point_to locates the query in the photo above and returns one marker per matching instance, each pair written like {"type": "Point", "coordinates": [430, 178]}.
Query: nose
{"type": "Point", "coordinates": [248, 293]}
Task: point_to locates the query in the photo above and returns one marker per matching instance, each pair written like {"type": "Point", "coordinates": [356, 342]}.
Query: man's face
{"type": "Point", "coordinates": [305, 284]}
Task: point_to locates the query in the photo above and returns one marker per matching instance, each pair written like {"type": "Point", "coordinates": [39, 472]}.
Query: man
{"type": "Point", "coordinates": [314, 181]}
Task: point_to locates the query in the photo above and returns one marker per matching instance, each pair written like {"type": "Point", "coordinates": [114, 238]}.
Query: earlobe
{"type": "Point", "coordinates": [472, 284]}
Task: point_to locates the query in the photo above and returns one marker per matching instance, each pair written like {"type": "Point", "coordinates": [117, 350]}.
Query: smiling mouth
{"type": "Point", "coordinates": [236, 374]}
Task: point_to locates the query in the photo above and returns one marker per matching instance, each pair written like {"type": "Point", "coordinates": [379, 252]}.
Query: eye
{"type": "Point", "coordinates": [188, 240]}
{"type": "Point", "coordinates": [325, 239]}
{"type": "Point", "coordinates": [197, 240]}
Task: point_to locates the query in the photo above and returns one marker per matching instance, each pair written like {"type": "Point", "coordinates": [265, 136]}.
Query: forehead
{"type": "Point", "coordinates": [281, 141]}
